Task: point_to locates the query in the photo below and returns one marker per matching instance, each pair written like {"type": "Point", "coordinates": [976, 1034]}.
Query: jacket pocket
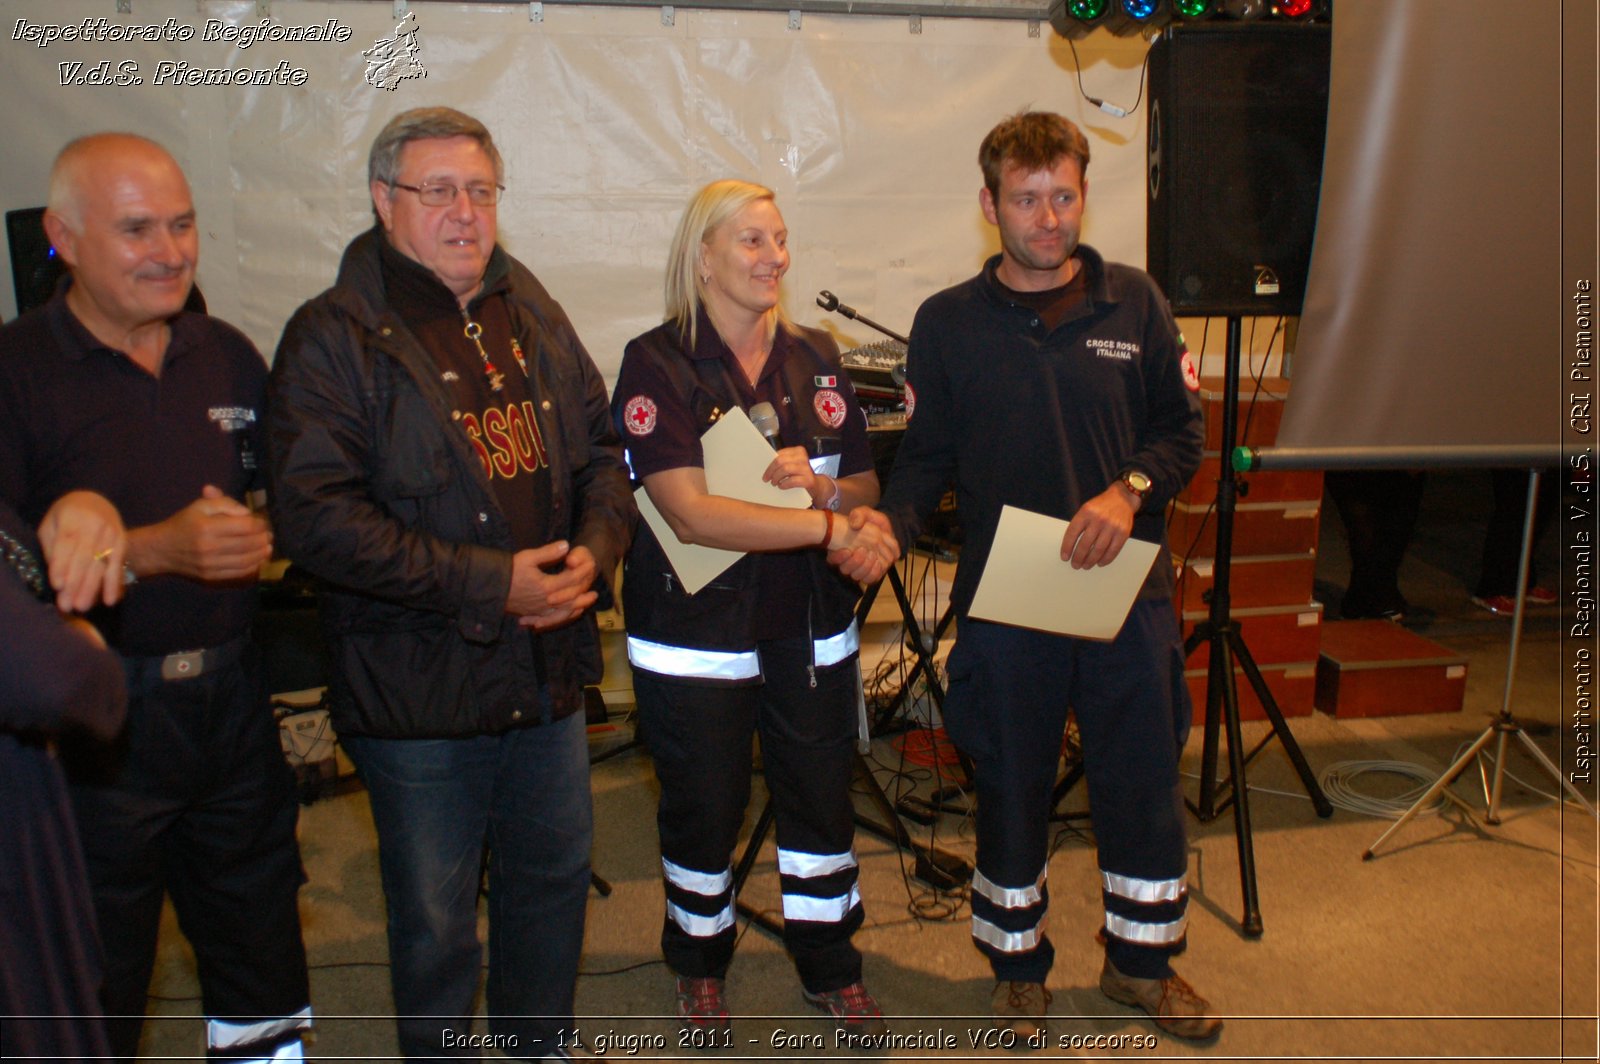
{"type": "Point", "coordinates": [414, 458]}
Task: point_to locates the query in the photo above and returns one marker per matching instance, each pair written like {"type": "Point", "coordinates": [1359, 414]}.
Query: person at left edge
{"type": "Point", "coordinates": [113, 387]}
{"type": "Point", "coordinates": [443, 460]}
{"type": "Point", "coordinates": [56, 678]}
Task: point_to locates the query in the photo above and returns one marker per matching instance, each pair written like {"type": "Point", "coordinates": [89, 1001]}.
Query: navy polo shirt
{"type": "Point", "coordinates": [77, 414]}
{"type": "Point", "coordinates": [674, 443]}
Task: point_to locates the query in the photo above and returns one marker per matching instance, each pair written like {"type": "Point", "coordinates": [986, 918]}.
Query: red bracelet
{"type": "Point", "coordinates": [827, 535]}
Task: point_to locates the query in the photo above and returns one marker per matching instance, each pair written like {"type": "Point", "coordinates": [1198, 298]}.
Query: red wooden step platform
{"type": "Point", "coordinates": [1379, 669]}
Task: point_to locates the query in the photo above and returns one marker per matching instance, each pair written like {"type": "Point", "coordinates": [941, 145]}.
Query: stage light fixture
{"type": "Point", "coordinates": [1294, 9]}
{"type": "Point", "coordinates": [1244, 10]}
{"type": "Point", "coordinates": [1131, 17]}
{"type": "Point", "coordinates": [1192, 9]}
{"type": "Point", "coordinates": [1075, 18]}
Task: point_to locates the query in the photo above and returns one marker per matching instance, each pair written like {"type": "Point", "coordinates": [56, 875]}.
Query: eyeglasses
{"type": "Point", "coordinates": [445, 195]}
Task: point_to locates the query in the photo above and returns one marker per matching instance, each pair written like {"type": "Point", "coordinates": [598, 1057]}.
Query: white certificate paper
{"type": "Point", "coordinates": [1026, 583]}
{"type": "Point", "coordinates": [736, 454]}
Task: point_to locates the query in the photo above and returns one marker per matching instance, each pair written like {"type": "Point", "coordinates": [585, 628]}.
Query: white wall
{"type": "Point", "coordinates": [608, 121]}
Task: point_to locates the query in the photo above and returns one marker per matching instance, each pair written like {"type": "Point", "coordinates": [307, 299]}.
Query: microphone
{"type": "Point", "coordinates": [828, 301]}
{"type": "Point", "coordinates": [765, 419]}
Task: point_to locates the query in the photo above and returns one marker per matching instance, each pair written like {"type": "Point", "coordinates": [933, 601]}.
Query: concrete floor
{"type": "Point", "coordinates": [1459, 940]}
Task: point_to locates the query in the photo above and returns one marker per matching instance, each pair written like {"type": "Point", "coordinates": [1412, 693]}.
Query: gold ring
{"type": "Point", "coordinates": [103, 555]}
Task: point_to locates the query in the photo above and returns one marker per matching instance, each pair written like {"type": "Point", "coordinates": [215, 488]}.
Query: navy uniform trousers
{"type": "Point", "coordinates": [1009, 692]}
{"type": "Point", "coordinates": [700, 738]}
{"type": "Point", "coordinates": [196, 800]}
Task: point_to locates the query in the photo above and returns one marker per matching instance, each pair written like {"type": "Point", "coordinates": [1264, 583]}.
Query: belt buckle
{"type": "Point", "coordinates": [184, 665]}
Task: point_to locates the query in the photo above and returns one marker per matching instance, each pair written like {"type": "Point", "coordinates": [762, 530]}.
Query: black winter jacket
{"type": "Point", "coordinates": [376, 490]}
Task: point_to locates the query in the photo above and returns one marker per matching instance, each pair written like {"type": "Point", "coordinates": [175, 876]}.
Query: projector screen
{"type": "Point", "coordinates": [1434, 306]}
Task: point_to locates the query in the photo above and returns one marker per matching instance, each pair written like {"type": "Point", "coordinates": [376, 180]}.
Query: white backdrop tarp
{"type": "Point", "coordinates": [608, 120]}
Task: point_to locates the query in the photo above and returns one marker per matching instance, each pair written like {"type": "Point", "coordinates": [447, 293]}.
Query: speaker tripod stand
{"type": "Point", "coordinates": [1504, 724]}
{"type": "Point", "coordinates": [1226, 645]}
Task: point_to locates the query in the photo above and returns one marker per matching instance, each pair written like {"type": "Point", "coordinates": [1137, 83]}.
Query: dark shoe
{"type": "Point", "coordinates": [1020, 1008]}
{"type": "Point", "coordinates": [702, 1005]}
{"type": "Point", "coordinates": [855, 1009]}
{"type": "Point", "coordinates": [1171, 1002]}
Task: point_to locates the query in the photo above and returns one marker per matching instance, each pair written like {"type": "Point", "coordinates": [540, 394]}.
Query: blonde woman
{"type": "Point", "coordinates": [770, 645]}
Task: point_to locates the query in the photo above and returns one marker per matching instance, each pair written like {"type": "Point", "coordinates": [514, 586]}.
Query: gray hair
{"type": "Point", "coordinates": [426, 123]}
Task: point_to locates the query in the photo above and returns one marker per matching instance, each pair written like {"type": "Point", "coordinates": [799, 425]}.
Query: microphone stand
{"type": "Point", "coordinates": [830, 302]}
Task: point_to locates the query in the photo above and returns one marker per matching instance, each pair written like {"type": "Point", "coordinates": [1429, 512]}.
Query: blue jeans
{"type": "Point", "coordinates": [441, 806]}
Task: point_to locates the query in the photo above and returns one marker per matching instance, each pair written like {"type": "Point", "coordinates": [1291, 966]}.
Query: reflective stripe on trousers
{"type": "Point", "coordinates": [222, 1035]}
{"type": "Point", "coordinates": [1012, 899]}
{"type": "Point", "coordinates": [691, 663]}
{"type": "Point", "coordinates": [797, 906]}
{"type": "Point", "coordinates": [706, 884]}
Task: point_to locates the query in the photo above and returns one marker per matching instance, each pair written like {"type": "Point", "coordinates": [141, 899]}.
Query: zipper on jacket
{"type": "Point", "coordinates": [811, 644]}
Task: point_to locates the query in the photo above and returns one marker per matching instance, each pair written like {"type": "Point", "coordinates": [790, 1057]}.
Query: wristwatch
{"type": "Point", "coordinates": [833, 500]}
{"type": "Point", "coordinates": [1137, 482]}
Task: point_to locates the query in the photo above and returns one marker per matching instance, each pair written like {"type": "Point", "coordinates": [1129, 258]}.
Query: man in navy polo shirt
{"type": "Point", "coordinates": [113, 387]}
{"type": "Point", "coordinates": [1057, 382]}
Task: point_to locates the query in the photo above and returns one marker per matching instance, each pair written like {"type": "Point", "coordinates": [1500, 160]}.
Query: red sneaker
{"type": "Point", "coordinates": [857, 1010]}
{"type": "Point", "coordinates": [702, 1004]}
{"type": "Point", "coordinates": [1499, 605]}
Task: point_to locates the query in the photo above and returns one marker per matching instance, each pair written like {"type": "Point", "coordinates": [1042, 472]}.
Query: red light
{"type": "Point", "coordinates": [1293, 8]}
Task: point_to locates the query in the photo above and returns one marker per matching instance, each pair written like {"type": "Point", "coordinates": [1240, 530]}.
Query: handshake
{"type": "Point", "coordinates": [867, 546]}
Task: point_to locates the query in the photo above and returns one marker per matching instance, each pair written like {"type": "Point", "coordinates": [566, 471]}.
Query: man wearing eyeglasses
{"type": "Point", "coordinates": [442, 459]}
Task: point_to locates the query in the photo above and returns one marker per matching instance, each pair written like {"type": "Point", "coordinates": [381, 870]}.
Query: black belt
{"type": "Point", "coordinates": [189, 664]}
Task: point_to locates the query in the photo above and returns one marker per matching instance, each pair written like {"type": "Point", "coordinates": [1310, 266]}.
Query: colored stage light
{"type": "Point", "coordinates": [1087, 10]}
{"type": "Point", "coordinates": [1132, 17]}
{"type": "Point", "coordinates": [1075, 18]}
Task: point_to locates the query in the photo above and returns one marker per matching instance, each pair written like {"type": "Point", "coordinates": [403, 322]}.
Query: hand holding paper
{"type": "Point", "coordinates": [1099, 529]}
{"type": "Point", "coordinates": [736, 460]}
{"type": "Point", "coordinates": [1026, 583]}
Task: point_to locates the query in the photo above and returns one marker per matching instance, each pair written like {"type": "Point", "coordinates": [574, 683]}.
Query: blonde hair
{"type": "Point", "coordinates": [714, 205]}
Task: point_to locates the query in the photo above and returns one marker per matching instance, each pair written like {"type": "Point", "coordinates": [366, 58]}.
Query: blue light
{"type": "Point", "coordinates": [1139, 9]}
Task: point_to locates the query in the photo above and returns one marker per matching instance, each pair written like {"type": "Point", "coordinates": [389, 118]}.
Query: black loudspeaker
{"type": "Point", "coordinates": [1238, 114]}
{"type": "Point", "coordinates": [35, 268]}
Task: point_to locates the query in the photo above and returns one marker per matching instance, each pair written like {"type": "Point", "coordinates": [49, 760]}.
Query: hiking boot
{"type": "Point", "coordinates": [702, 1005]}
{"type": "Point", "coordinates": [1020, 1008]}
{"type": "Point", "coordinates": [855, 1009]}
{"type": "Point", "coordinates": [1171, 1002]}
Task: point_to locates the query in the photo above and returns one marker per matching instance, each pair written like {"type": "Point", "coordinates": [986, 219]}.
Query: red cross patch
{"type": "Point", "coordinates": [639, 414]}
{"type": "Point", "coordinates": [1191, 373]}
{"type": "Point", "coordinates": [830, 407]}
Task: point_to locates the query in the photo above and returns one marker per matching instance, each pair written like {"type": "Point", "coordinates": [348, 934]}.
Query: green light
{"type": "Point", "coordinates": [1192, 8]}
{"type": "Point", "coordinates": [1086, 10]}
